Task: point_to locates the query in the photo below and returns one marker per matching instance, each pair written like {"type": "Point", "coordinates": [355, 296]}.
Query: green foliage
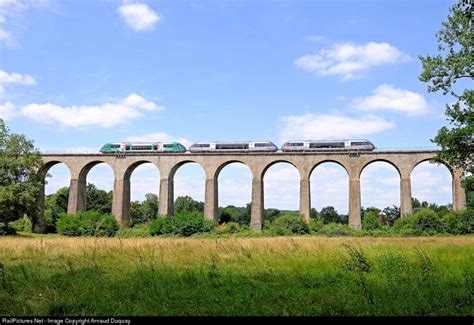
{"type": "Point", "coordinates": [88, 223]}
{"type": "Point", "coordinates": [227, 228]}
{"type": "Point", "coordinates": [459, 222]}
{"type": "Point", "coordinates": [315, 225]}
{"type": "Point", "coordinates": [370, 221]}
{"type": "Point", "coordinates": [181, 224]}
{"type": "Point", "coordinates": [270, 215]}
{"type": "Point", "coordinates": [391, 214]}
{"type": "Point", "coordinates": [142, 212]}
{"type": "Point", "coordinates": [233, 214]}
{"type": "Point", "coordinates": [20, 183]}
{"type": "Point", "coordinates": [21, 225]}
{"type": "Point", "coordinates": [329, 214]}
{"type": "Point", "coordinates": [450, 71]}
{"type": "Point", "coordinates": [337, 229]}
{"type": "Point", "coordinates": [187, 204]}
{"type": "Point", "coordinates": [98, 200]}
{"type": "Point", "coordinates": [142, 230]}
{"type": "Point", "coordinates": [423, 222]}
{"type": "Point", "coordinates": [287, 225]}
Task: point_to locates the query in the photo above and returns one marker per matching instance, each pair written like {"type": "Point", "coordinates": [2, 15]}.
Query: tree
{"type": "Point", "coordinates": [187, 204]}
{"type": "Point", "coordinates": [20, 183]}
{"type": "Point", "coordinates": [449, 72]}
{"type": "Point", "coordinates": [98, 200]}
{"type": "Point", "coordinates": [150, 206]}
{"type": "Point", "coordinates": [391, 214]}
{"type": "Point", "coordinates": [329, 214]}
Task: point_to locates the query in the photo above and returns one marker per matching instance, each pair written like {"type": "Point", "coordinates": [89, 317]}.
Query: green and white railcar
{"type": "Point", "coordinates": [130, 147]}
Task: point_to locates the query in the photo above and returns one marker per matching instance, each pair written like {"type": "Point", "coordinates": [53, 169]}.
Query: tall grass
{"type": "Point", "coordinates": [237, 276]}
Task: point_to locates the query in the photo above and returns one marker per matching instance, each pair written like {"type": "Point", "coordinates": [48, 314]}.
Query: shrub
{"type": "Point", "coordinates": [315, 225]}
{"type": "Point", "coordinates": [6, 229]}
{"type": "Point", "coordinates": [423, 222]}
{"type": "Point", "coordinates": [142, 230]}
{"type": "Point", "coordinates": [370, 221]}
{"type": "Point", "coordinates": [88, 223]}
{"type": "Point", "coordinates": [459, 222]}
{"type": "Point", "coordinates": [182, 224]}
{"type": "Point", "coordinates": [288, 225]}
{"type": "Point", "coordinates": [22, 225]}
{"type": "Point", "coordinates": [227, 228]}
{"type": "Point", "coordinates": [336, 229]}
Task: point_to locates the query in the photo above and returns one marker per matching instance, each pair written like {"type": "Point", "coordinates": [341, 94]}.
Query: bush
{"type": "Point", "coordinates": [337, 229]}
{"type": "Point", "coordinates": [182, 224]}
{"type": "Point", "coordinates": [6, 229]}
{"type": "Point", "coordinates": [21, 225]}
{"type": "Point", "coordinates": [423, 222]}
{"type": "Point", "coordinates": [315, 225]}
{"type": "Point", "coordinates": [88, 223]}
{"type": "Point", "coordinates": [227, 228]}
{"type": "Point", "coordinates": [370, 221]}
{"type": "Point", "coordinates": [287, 225]}
{"type": "Point", "coordinates": [142, 230]}
{"type": "Point", "coordinates": [459, 222]}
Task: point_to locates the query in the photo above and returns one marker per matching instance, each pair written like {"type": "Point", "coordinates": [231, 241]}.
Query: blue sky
{"type": "Point", "coordinates": [78, 74]}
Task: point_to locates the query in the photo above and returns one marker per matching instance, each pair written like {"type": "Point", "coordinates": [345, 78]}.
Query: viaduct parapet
{"type": "Point", "coordinates": [353, 162]}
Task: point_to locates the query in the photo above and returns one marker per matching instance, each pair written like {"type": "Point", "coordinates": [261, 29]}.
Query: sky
{"type": "Point", "coordinates": [77, 74]}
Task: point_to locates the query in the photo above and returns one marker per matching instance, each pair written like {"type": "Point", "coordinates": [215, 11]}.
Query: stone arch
{"type": "Point", "coordinates": [39, 222]}
{"type": "Point", "coordinates": [128, 187]}
{"type": "Point", "coordinates": [77, 192]}
{"type": "Point", "coordinates": [180, 164]}
{"type": "Point", "coordinates": [328, 161]}
{"type": "Point", "coordinates": [344, 193]}
{"type": "Point", "coordinates": [381, 160]}
{"type": "Point", "coordinates": [218, 196]}
{"type": "Point", "coordinates": [87, 168]}
{"type": "Point", "coordinates": [429, 189]}
{"type": "Point", "coordinates": [451, 171]}
{"type": "Point", "coordinates": [225, 164]}
{"type": "Point", "coordinates": [264, 174]}
{"type": "Point", "coordinates": [129, 171]}
{"type": "Point", "coordinates": [267, 166]}
{"type": "Point", "coordinates": [386, 183]}
{"type": "Point", "coordinates": [171, 179]}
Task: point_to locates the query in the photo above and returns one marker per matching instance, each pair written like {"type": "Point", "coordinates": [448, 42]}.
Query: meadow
{"type": "Point", "coordinates": [306, 275]}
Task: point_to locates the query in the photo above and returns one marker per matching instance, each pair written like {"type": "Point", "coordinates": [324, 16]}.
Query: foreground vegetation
{"type": "Point", "coordinates": [51, 275]}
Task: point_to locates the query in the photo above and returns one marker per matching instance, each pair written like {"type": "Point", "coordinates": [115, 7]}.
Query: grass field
{"type": "Point", "coordinates": [237, 276]}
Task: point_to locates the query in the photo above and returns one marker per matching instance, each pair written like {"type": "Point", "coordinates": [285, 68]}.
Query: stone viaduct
{"type": "Point", "coordinates": [353, 162]}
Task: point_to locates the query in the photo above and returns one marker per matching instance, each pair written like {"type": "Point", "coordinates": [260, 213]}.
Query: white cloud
{"type": "Point", "coordinates": [105, 115]}
{"type": "Point", "coordinates": [387, 97]}
{"type": "Point", "coordinates": [7, 111]}
{"type": "Point", "coordinates": [14, 78]}
{"type": "Point", "coordinates": [6, 37]}
{"type": "Point", "coordinates": [11, 10]}
{"type": "Point", "coordinates": [325, 126]}
{"type": "Point", "coordinates": [349, 60]}
{"type": "Point", "coordinates": [159, 137]}
{"type": "Point", "coordinates": [139, 16]}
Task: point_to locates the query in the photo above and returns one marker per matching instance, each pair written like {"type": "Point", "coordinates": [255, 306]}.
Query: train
{"type": "Point", "coordinates": [239, 146]}
{"type": "Point", "coordinates": [129, 147]}
{"type": "Point", "coordinates": [232, 146]}
{"type": "Point", "coordinates": [327, 145]}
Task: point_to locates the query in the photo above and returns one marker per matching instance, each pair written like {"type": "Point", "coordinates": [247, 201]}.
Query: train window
{"type": "Point", "coordinates": [202, 145]}
{"type": "Point", "coordinates": [141, 147]}
{"type": "Point", "coordinates": [315, 145]}
{"type": "Point", "coordinates": [261, 145]}
{"type": "Point", "coordinates": [232, 146]}
{"type": "Point", "coordinates": [115, 146]}
{"type": "Point", "coordinates": [296, 144]}
{"type": "Point", "coordinates": [359, 143]}
{"type": "Point", "coordinates": [168, 146]}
